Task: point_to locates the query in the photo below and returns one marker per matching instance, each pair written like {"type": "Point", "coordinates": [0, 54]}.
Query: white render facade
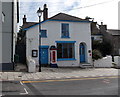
{"type": "Point", "coordinates": [79, 33]}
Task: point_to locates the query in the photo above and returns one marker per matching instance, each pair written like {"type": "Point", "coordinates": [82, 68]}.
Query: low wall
{"type": "Point", "coordinates": [104, 62]}
{"type": "Point", "coordinates": [117, 60]}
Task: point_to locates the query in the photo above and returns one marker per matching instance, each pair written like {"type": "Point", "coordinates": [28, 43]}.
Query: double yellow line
{"type": "Point", "coordinates": [72, 79]}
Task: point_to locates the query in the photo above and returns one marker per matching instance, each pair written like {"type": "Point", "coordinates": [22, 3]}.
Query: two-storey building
{"type": "Point", "coordinates": [69, 34]}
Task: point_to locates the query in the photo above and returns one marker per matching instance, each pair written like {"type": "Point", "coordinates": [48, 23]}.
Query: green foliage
{"type": "Point", "coordinates": [96, 54]}
{"type": "Point", "coordinates": [104, 47]}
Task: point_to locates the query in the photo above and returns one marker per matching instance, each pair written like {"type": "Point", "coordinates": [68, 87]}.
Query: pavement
{"type": "Point", "coordinates": [58, 73]}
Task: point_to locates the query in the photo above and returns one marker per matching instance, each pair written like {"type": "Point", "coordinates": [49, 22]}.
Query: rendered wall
{"type": "Point", "coordinates": [104, 62]}
{"type": "Point", "coordinates": [7, 32]}
{"type": "Point", "coordinates": [32, 43]}
{"type": "Point", "coordinates": [79, 32]}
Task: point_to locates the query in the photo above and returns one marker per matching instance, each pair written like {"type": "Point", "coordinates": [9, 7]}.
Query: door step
{"type": "Point", "coordinates": [86, 65]}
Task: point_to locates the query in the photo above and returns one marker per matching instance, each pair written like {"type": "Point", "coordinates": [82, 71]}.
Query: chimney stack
{"type": "Point", "coordinates": [101, 23]}
{"type": "Point", "coordinates": [45, 12]}
{"type": "Point", "coordinates": [102, 27]}
{"type": "Point", "coordinates": [24, 19]}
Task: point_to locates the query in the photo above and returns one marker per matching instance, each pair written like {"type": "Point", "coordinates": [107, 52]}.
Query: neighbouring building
{"type": "Point", "coordinates": [102, 34]}
{"type": "Point", "coordinates": [113, 37]}
{"type": "Point", "coordinates": [70, 35]}
{"type": "Point", "coordinates": [95, 32]}
{"type": "Point", "coordinates": [9, 17]}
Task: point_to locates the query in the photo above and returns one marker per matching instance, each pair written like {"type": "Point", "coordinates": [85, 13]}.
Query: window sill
{"type": "Point", "coordinates": [65, 37]}
{"type": "Point", "coordinates": [66, 59]}
{"type": "Point", "coordinates": [43, 37]}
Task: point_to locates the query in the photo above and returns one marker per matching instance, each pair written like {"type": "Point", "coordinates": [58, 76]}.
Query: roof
{"type": "Point", "coordinates": [57, 17]}
{"type": "Point", "coordinates": [29, 24]}
{"type": "Point", "coordinates": [113, 32]}
{"type": "Point", "coordinates": [63, 16]}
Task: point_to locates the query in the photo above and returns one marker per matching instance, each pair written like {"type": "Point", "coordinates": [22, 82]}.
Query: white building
{"type": "Point", "coordinates": [69, 34]}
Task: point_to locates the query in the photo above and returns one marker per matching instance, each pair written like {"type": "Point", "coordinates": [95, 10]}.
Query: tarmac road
{"type": "Point", "coordinates": [81, 86]}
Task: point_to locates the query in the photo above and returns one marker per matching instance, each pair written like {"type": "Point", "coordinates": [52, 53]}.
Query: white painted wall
{"type": "Point", "coordinates": [104, 62]}
{"type": "Point", "coordinates": [32, 43]}
{"type": "Point", "coordinates": [117, 59]}
{"type": "Point", "coordinates": [79, 32]}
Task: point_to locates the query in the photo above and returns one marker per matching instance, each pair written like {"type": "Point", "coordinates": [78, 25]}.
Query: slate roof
{"type": "Point", "coordinates": [63, 16]}
{"type": "Point", "coordinates": [59, 16]}
{"type": "Point", "coordinates": [29, 24]}
{"type": "Point", "coordinates": [113, 32]}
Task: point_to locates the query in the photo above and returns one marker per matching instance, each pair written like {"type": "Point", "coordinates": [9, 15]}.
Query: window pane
{"type": "Point", "coordinates": [59, 51]}
{"type": "Point", "coordinates": [70, 51]}
{"type": "Point", "coordinates": [43, 33]}
{"type": "Point", "coordinates": [65, 30]}
{"type": "Point", "coordinates": [65, 50]}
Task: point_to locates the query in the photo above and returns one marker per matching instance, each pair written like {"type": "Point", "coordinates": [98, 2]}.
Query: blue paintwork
{"type": "Point", "coordinates": [66, 59]}
{"type": "Point", "coordinates": [44, 46]}
{"type": "Point", "coordinates": [54, 20]}
{"type": "Point", "coordinates": [53, 65]}
{"type": "Point", "coordinates": [65, 41]}
{"type": "Point", "coordinates": [82, 53]}
{"type": "Point", "coordinates": [65, 37]}
{"type": "Point", "coordinates": [44, 54]}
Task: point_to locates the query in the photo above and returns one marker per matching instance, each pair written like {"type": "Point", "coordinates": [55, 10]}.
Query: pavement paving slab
{"type": "Point", "coordinates": [57, 73]}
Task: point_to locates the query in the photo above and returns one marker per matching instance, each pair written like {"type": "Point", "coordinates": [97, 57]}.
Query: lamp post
{"type": "Point", "coordinates": [39, 12]}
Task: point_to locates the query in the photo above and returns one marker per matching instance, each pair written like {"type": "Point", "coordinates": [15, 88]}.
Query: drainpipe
{"type": "Point", "coordinates": [12, 33]}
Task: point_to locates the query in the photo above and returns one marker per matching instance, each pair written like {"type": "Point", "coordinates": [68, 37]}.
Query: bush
{"type": "Point", "coordinates": [104, 47]}
{"type": "Point", "coordinates": [96, 54]}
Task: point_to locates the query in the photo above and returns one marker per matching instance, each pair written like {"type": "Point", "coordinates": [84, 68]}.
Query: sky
{"type": "Point", "coordinates": [105, 11]}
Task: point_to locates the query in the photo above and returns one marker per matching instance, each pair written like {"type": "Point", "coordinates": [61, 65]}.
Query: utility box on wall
{"type": "Point", "coordinates": [53, 56]}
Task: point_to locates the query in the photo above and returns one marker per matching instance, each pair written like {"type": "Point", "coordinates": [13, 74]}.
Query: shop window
{"type": "Point", "coordinates": [65, 50]}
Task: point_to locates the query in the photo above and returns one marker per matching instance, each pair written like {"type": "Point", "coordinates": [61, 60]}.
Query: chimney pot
{"type": "Point", "coordinates": [101, 23]}
{"type": "Point", "coordinates": [45, 12]}
{"type": "Point", "coordinates": [24, 19]}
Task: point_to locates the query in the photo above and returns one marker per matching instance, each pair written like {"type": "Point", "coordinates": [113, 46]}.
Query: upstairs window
{"type": "Point", "coordinates": [65, 30]}
{"type": "Point", "coordinates": [43, 33]}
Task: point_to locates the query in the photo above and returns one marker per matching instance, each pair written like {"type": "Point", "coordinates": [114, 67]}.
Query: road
{"type": "Point", "coordinates": [80, 86]}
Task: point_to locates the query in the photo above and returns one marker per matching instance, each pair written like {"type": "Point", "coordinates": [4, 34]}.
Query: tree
{"type": "Point", "coordinates": [96, 54]}
{"type": "Point", "coordinates": [104, 47]}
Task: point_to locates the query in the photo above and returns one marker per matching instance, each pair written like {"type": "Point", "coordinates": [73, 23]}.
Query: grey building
{"type": "Point", "coordinates": [9, 18]}
{"type": "Point", "coordinates": [113, 37]}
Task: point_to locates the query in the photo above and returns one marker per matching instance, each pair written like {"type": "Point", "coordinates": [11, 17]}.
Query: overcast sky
{"type": "Point", "coordinates": [105, 11]}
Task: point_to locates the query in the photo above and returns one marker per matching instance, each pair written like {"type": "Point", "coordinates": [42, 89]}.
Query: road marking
{"type": "Point", "coordinates": [26, 92]}
{"type": "Point", "coordinates": [106, 81]}
{"type": "Point", "coordinates": [21, 83]}
{"type": "Point", "coordinates": [88, 78]}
